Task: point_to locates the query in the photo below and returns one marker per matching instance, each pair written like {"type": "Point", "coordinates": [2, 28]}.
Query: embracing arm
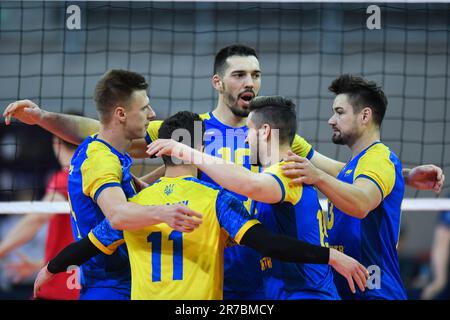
{"type": "Point", "coordinates": [292, 250]}
{"type": "Point", "coordinates": [257, 186]}
{"type": "Point", "coordinates": [123, 214]}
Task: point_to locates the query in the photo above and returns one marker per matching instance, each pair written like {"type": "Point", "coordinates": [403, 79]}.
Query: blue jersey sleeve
{"type": "Point", "coordinates": [232, 215]}
{"type": "Point", "coordinates": [444, 218]}
{"type": "Point", "coordinates": [105, 238]}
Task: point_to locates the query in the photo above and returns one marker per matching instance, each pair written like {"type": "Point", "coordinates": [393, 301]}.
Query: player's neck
{"type": "Point", "coordinates": [224, 115]}
{"type": "Point", "coordinates": [276, 157]}
{"type": "Point", "coordinates": [367, 139]}
{"type": "Point", "coordinates": [115, 137]}
{"type": "Point", "coordinates": [180, 170]}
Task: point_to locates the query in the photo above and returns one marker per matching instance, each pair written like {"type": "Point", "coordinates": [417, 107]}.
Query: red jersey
{"type": "Point", "coordinates": [58, 237]}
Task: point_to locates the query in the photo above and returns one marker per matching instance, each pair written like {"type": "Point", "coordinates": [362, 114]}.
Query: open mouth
{"type": "Point", "coordinates": [247, 97]}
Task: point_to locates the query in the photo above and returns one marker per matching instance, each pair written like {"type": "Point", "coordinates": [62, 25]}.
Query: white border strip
{"type": "Point", "coordinates": [44, 207]}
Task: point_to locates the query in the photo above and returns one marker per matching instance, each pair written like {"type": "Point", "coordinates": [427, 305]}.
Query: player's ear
{"type": "Point", "coordinates": [265, 131]}
{"type": "Point", "coordinates": [120, 113]}
{"type": "Point", "coordinates": [366, 115]}
{"type": "Point", "coordinates": [216, 82]}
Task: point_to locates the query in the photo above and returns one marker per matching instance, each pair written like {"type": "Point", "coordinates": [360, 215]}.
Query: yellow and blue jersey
{"type": "Point", "coordinates": [299, 215]}
{"type": "Point", "coordinates": [95, 166]}
{"type": "Point", "coordinates": [372, 240]}
{"type": "Point", "coordinates": [242, 271]}
{"type": "Point", "coordinates": [168, 264]}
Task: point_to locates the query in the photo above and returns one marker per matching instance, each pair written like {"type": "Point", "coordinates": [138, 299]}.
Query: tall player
{"type": "Point", "coordinates": [100, 183]}
{"type": "Point", "coordinates": [237, 79]}
{"type": "Point", "coordinates": [59, 233]}
{"type": "Point", "coordinates": [167, 264]}
{"type": "Point", "coordinates": [365, 198]}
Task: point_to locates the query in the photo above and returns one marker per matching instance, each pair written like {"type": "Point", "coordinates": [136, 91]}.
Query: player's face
{"type": "Point", "coordinates": [344, 121]}
{"type": "Point", "coordinates": [240, 83]}
{"type": "Point", "coordinates": [139, 114]}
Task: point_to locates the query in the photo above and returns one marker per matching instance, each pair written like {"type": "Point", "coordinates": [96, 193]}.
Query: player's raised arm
{"type": "Point", "coordinates": [71, 128]}
{"type": "Point", "coordinates": [257, 186]}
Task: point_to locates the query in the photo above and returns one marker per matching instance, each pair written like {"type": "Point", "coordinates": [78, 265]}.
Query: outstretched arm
{"type": "Point", "coordinates": [75, 253]}
{"type": "Point", "coordinates": [257, 186]}
{"type": "Point", "coordinates": [292, 250]}
{"type": "Point", "coordinates": [71, 128]}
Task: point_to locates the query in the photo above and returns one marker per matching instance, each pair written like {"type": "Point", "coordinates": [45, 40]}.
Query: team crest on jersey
{"type": "Point", "coordinates": [169, 189]}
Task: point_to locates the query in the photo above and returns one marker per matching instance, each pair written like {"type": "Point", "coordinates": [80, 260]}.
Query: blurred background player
{"type": "Point", "coordinates": [439, 287]}
{"type": "Point", "coordinates": [59, 233]}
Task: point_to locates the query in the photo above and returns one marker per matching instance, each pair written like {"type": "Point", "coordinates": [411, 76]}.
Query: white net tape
{"type": "Point", "coordinates": [22, 207]}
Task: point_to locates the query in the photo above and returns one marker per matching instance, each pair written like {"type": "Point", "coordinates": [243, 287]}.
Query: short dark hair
{"type": "Point", "coordinates": [181, 120]}
{"type": "Point", "coordinates": [361, 93]}
{"type": "Point", "coordinates": [278, 112]}
{"type": "Point", "coordinates": [116, 86]}
{"type": "Point", "coordinates": [220, 61]}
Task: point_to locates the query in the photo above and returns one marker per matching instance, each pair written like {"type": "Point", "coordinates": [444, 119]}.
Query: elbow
{"type": "Point", "coordinates": [361, 210]}
{"type": "Point", "coordinates": [251, 189]}
{"type": "Point", "coordinates": [116, 219]}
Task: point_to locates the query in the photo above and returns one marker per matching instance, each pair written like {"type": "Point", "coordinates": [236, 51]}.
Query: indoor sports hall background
{"type": "Point", "coordinates": [301, 46]}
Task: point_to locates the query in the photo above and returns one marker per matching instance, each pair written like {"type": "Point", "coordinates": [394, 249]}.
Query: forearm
{"type": "Point", "coordinates": [405, 173]}
{"type": "Point", "coordinates": [328, 165]}
{"type": "Point", "coordinates": [440, 255]}
{"type": "Point", "coordinates": [229, 175]}
{"type": "Point", "coordinates": [71, 128]}
{"type": "Point", "coordinates": [283, 247]}
{"type": "Point", "coordinates": [76, 254]}
{"type": "Point", "coordinates": [131, 216]}
{"type": "Point", "coordinates": [23, 232]}
{"type": "Point", "coordinates": [344, 196]}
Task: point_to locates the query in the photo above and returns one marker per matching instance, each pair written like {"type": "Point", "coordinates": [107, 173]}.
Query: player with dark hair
{"type": "Point", "coordinates": [100, 182]}
{"type": "Point", "coordinates": [365, 199]}
{"type": "Point", "coordinates": [165, 263]}
{"type": "Point", "coordinates": [281, 207]}
{"type": "Point", "coordinates": [237, 79]}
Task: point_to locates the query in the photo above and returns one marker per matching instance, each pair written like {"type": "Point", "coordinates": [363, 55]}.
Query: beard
{"type": "Point", "coordinates": [233, 104]}
{"type": "Point", "coordinates": [339, 139]}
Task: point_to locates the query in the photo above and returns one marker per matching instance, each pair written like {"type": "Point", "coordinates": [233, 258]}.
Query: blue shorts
{"type": "Point", "coordinates": [104, 294]}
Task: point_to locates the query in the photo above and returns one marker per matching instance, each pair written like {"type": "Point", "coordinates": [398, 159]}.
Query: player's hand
{"type": "Point", "coordinates": [180, 217]}
{"type": "Point", "coordinates": [24, 110]}
{"type": "Point", "coordinates": [300, 170]}
{"type": "Point", "coordinates": [42, 278]}
{"type": "Point", "coordinates": [23, 268]}
{"type": "Point", "coordinates": [169, 147]}
{"type": "Point", "coordinates": [350, 269]}
{"type": "Point", "coordinates": [426, 177]}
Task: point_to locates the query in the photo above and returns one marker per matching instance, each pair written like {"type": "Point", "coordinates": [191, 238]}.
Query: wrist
{"type": "Point", "coordinates": [331, 256]}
